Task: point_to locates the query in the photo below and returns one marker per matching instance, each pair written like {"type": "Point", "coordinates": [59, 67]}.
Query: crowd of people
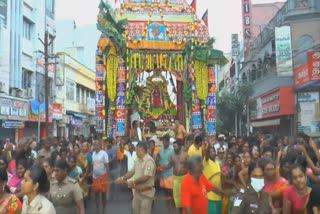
{"type": "Point", "coordinates": [232, 175]}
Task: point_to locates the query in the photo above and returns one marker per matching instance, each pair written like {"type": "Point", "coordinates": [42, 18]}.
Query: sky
{"type": "Point", "coordinates": [224, 16]}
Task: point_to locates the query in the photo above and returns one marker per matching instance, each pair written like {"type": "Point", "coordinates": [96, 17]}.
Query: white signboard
{"type": "Point", "coordinates": [283, 51]}
{"type": "Point", "coordinates": [309, 116]}
{"type": "Point", "coordinates": [5, 110]}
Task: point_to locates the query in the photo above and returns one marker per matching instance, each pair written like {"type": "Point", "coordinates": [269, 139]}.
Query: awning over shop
{"type": "Point", "coordinates": [80, 115]}
{"type": "Point", "coordinates": [308, 85]}
{"type": "Point", "coordinates": [274, 122]}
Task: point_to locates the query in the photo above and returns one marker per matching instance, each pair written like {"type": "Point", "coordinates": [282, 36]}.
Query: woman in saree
{"type": "Point", "coordinates": [243, 175]}
{"type": "Point", "coordinates": [83, 181]}
{"type": "Point", "coordinates": [15, 182]}
{"type": "Point", "coordinates": [227, 183]}
{"type": "Point", "coordinates": [9, 204]}
{"type": "Point", "coordinates": [274, 184]}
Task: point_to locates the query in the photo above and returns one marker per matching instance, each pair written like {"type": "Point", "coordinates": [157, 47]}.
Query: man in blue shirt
{"type": "Point", "coordinates": [166, 177]}
{"type": "Point", "coordinates": [114, 168]}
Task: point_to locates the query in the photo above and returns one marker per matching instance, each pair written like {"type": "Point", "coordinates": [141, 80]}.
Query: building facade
{"type": "Point", "coordinates": [22, 26]}
{"type": "Point", "coordinates": [75, 97]}
{"type": "Point", "coordinates": [282, 62]}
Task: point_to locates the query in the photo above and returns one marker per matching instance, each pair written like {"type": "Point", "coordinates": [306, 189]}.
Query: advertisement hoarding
{"type": "Point", "coordinates": [301, 75]}
{"type": "Point", "coordinates": [314, 65]}
{"type": "Point", "coordinates": [246, 21]}
{"type": "Point", "coordinates": [283, 51]}
{"type": "Point", "coordinates": [57, 111]}
{"type": "Point", "coordinates": [309, 113]}
{"type": "Point", "coordinates": [235, 44]}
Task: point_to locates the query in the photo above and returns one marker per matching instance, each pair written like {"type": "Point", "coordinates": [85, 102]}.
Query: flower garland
{"type": "Point", "coordinates": [150, 61]}
{"type": "Point", "coordinates": [112, 71]}
{"type": "Point", "coordinates": [201, 70]}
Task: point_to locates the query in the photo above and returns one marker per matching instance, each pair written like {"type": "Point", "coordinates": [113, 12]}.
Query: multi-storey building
{"type": "Point", "coordinates": [75, 80]}
{"type": "Point", "coordinates": [277, 63]}
{"type": "Point", "coordinates": [22, 26]}
{"type": "Point", "coordinates": [75, 96]}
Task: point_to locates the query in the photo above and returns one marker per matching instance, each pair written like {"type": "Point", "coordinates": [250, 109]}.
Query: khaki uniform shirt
{"type": "Point", "coordinates": [39, 205]}
{"type": "Point", "coordinates": [43, 154]}
{"type": "Point", "coordinates": [247, 201]}
{"type": "Point", "coordinates": [65, 195]}
{"type": "Point", "coordinates": [145, 167]}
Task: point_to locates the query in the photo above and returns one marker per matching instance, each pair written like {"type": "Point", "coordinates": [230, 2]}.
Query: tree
{"type": "Point", "coordinates": [243, 92]}
{"type": "Point", "coordinates": [226, 110]}
{"type": "Point", "coordinates": [230, 105]}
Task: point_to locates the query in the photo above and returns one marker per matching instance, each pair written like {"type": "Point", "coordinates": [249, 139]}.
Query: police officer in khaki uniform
{"type": "Point", "coordinates": [65, 193]}
{"type": "Point", "coordinates": [45, 152]}
{"type": "Point", "coordinates": [144, 172]}
{"type": "Point", "coordinates": [254, 199]}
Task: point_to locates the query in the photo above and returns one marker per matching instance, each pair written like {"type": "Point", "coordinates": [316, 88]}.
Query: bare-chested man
{"type": "Point", "coordinates": [133, 135]}
{"type": "Point", "coordinates": [180, 168]}
{"type": "Point", "coordinates": [180, 131]}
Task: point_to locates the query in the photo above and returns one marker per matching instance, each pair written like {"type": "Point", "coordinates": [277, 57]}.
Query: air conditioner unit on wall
{"type": "Point", "coordinates": [29, 92]}
{"type": "Point", "coordinates": [21, 93]}
{"type": "Point", "coordinates": [13, 92]}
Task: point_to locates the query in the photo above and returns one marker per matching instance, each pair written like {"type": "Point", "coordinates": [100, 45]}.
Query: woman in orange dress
{"type": "Point", "coordinates": [274, 184]}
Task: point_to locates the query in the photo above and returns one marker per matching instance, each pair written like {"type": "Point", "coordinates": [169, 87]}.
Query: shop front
{"type": "Point", "coordinates": [31, 126]}
{"type": "Point", "coordinates": [57, 116]}
{"type": "Point", "coordinates": [307, 88]}
{"type": "Point", "coordinates": [274, 112]}
{"type": "Point", "coordinates": [13, 114]}
{"type": "Point", "coordinates": [76, 124]}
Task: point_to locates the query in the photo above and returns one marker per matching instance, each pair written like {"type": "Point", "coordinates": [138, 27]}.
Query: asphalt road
{"type": "Point", "coordinates": [122, 204]}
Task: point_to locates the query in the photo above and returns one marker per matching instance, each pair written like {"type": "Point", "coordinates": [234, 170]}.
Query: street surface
{"type": "Point", "coordinates": [122, 205]}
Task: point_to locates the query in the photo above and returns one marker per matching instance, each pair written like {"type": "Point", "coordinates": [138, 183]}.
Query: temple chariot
{"type": "Point", "coordinates": [155, 63]}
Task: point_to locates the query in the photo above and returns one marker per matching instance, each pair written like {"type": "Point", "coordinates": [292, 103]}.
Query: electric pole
{"type": "Point", "coordinates": [46, 45]}
{"type": "Point", "coordinates": [46, 90]}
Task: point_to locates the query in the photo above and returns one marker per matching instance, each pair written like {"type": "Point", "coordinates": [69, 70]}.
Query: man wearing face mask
{"type": "Point", "coordinates": [254, 199]}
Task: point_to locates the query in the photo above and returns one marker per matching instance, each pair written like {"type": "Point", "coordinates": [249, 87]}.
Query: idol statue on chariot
{"type": "Point", "coordinates": [155, 72]}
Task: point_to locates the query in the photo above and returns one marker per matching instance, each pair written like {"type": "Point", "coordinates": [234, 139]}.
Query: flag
{"type": "Point", "coordinates": [194, 5]}
{"type": "Point", "coordinates": [205, 18]}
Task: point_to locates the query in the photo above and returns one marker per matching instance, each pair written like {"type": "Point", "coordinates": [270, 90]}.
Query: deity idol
{"type": "Point", "coordinates": [157, 98]}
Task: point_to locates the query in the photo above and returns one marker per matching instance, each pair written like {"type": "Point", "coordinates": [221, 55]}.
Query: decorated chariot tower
{"type": "Point", "coordinates": [155, 63]}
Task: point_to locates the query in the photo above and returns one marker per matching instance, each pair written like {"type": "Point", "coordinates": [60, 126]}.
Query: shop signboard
{"type": "Point", "coordinates": [301, 75]}
{"type": "Point", "coordinates": [314, 65]}
{"type": "Point", "coordinates": [57, 111]}
{"type": "Point", "coordinates": [12, 124]}
{"type": "Point", "coordinates": [283, 51]}
{"type": "Point", "coordinates": [309, 113]}
{"type": "Point", "coordinates": [51, 67]}
{"type": "Point", "coordinates": [246, 21]}
{"type": "Point", "coordinates": [11, 109]}
{"type": "Point", "coordinates": [235, 44]}
{"type": "Point", "coordinates": [278, 102]}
